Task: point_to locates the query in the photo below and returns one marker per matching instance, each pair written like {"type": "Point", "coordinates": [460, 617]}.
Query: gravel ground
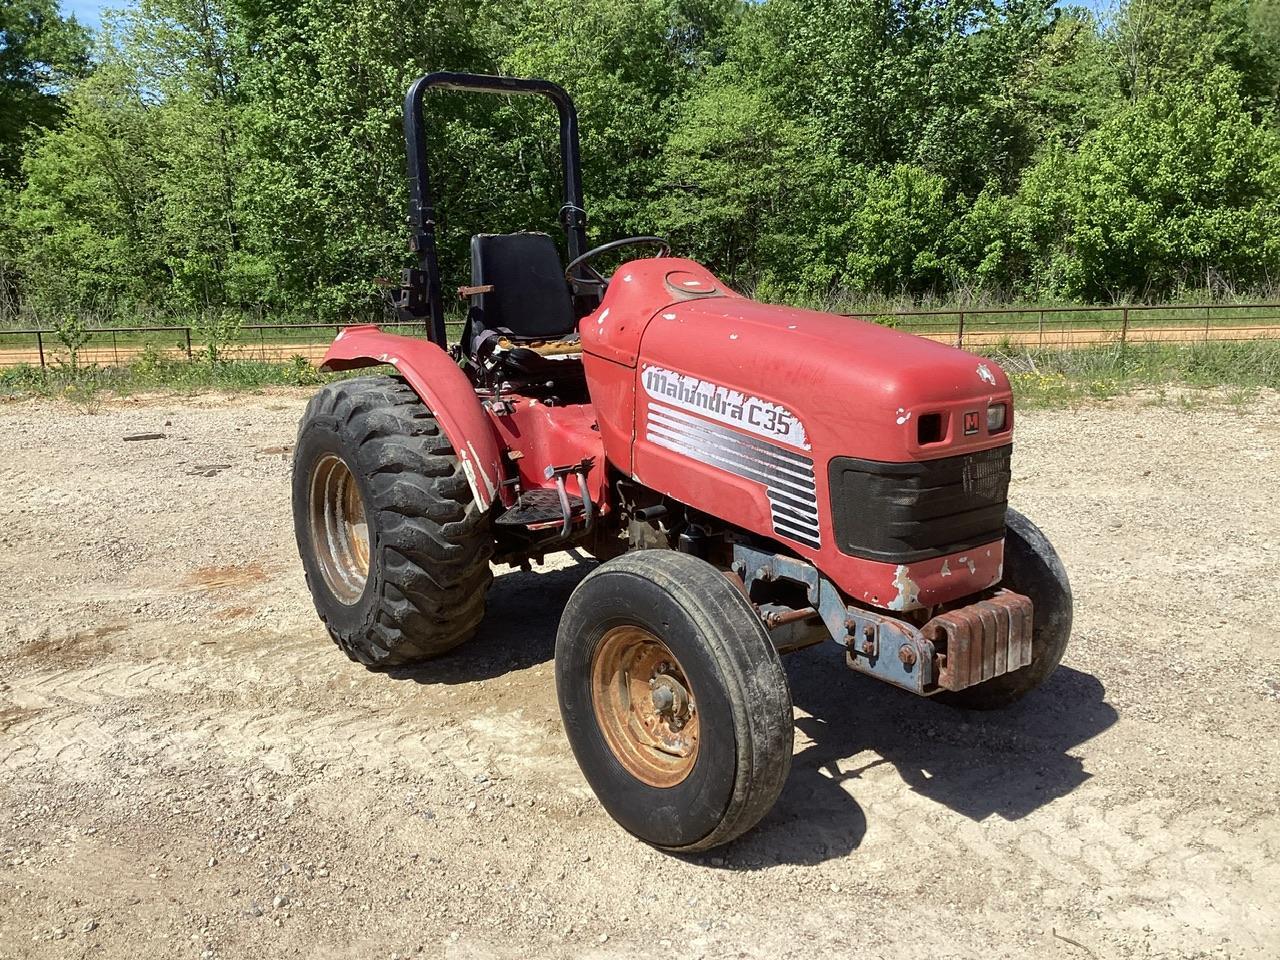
{"type": "Point", "coordinates": [189, 768]}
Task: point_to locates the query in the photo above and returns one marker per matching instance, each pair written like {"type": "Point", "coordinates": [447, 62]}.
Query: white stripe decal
{"type": "Point", "coordinates": [743, 438]}
{"type": "Point", "coordinates": [786, 475]}
{"type": "Point", "coordinates": [734, 462]}
{"type": "Point", "coordinates": [782, 470]}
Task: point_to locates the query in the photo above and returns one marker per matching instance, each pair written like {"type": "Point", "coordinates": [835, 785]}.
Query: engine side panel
{"type": "Point", "coordinates": [536, 436]}
{"type": "Point", "coordinates": [613, 396]}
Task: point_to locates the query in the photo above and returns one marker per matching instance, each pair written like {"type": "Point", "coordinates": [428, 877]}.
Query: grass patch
{"type": "Point", "coordinates": [86, 386]}
{"type": "Point", "coordinates": [1069, 377]}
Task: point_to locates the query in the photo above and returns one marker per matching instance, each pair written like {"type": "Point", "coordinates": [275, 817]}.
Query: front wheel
{"type": "Point", "coordinates": [1032, 568]}
{"type": "Point", "coordinates": [674, 700]}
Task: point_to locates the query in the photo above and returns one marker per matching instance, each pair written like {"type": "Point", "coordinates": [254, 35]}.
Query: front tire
{"type": "Point", "coordinates": [674, 700]}
{"type": "Point", "coordinates": [395, 549]}
{"type": "Point", "coordinates": [1032, 568]}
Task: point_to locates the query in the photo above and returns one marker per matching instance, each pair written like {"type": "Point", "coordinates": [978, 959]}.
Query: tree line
{"type": "Point", "coordinates": [246, 155]}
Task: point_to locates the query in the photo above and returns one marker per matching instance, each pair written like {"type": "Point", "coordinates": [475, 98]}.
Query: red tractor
{"type": "Point", "coordinates": [753, 479]}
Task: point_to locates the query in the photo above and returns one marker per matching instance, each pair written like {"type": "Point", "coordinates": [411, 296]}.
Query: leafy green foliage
{"type": "Point", "coordinates": [40, 53]}
{"type": "Point", "coordinates": [215, 328]}
{"type": "Point", "coordinates": [1179, 189]}
{"type": "Point", "coordinates": [72, 333]}
{"type": "Point", "coordinates": [89, 216]}
{"type": "Point", "coordinates": [236, 159]}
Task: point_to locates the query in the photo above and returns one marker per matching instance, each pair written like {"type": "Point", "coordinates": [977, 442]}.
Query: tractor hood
{"type": "Point", "coordinates": [865, 450]}
{"type": "Point", "coordinates": [846, 387]}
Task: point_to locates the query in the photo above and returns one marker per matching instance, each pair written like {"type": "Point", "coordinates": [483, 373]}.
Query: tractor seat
{"type": "Point", "coordinates": [525, 306]}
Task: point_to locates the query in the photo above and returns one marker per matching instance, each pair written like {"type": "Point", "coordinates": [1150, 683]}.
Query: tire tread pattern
{"type": "Point", "coordinates": [431, 541]}
{"type": "Point", "coordinates": [759, 693]}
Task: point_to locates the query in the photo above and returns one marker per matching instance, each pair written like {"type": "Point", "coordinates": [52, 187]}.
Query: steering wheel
{"type": "Point", "coordinates": [595, 278]}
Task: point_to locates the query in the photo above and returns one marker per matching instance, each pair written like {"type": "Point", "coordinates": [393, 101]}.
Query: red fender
{"type": "Point", "coordinates": [443, 387]}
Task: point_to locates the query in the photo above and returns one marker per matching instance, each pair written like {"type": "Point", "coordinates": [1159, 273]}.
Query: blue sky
{"type": "Point", "coordinates": [86, 11]}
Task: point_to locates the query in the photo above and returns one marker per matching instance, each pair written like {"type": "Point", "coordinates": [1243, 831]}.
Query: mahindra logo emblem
{"type": "Point", "coordinates": [970, 422]}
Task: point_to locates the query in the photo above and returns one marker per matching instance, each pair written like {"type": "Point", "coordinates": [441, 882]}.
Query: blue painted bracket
{"type": "Point", "coordinates": [883, 647]}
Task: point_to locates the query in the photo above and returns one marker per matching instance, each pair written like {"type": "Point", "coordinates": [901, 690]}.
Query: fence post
{"type": "Point", "coordinates": [188, 331]}
{"type": "Point", "coordinates": [1124, 328]}
{"type": "Point", "coordinates": [960, 332]}
{"type": "Point", "coordinates": [40, 347]}
{"type": "Point", "coordinates": [1041, 329]}
{"type": "Point", "coordinates": [1206, 323]}
{"type": "Point", "coordinates": [115, 347]}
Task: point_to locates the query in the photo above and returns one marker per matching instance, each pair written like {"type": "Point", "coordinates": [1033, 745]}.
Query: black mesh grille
{"type": "Point", "coordinates": [903, 512]}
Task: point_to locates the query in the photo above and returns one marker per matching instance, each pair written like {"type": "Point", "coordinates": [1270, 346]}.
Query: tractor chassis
{"type": "Point", "coordinates": [955, 649]}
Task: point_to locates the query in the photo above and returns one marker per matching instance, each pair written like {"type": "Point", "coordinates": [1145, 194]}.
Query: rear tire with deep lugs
{"type": "Point", "coordinates": [396, 550]}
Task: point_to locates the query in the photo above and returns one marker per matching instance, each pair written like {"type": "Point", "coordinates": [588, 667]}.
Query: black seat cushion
{"type": "Point", "coordinates": [530, 298]}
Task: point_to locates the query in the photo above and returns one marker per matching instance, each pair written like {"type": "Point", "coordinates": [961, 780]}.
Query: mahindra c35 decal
{"type": "Point", "coordinates": [726, 405]}
{"type": "Point", "coordinates": [676, 422]}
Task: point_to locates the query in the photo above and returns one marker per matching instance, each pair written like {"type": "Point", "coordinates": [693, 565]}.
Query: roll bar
{"type": "Point", "coordinates": [420, 297]}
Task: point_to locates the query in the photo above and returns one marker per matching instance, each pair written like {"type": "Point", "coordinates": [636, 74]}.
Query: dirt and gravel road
{"type": "Point", "coordinates": [189, 769]}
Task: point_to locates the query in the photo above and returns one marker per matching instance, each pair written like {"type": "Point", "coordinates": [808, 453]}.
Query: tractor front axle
{"type": "Point", "coordinates": [956, 649]}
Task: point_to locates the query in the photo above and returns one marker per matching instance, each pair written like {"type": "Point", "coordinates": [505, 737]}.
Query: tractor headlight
{"type": "Point", "coordinates": [997, 416]}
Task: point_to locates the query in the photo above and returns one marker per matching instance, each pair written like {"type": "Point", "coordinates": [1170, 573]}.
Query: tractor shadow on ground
{"type": "Point", "coordinates": [519, 629]}
{"type": "Point", "coordinates": [1007, 763]}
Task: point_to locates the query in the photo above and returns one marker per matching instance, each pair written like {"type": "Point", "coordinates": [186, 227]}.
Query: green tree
{"type": "Point", "coordinates": [325, 195]}
{"type": "Point", "coordinates": [1159, 44]}
{"type": "Point", "coordinates": [1069, 84]}
{"type": "Point", "coordinates": [1181, 189]}
{"type": "Point", "coordinates": [628, 64]}
{"type": "Point", "coordinates": [88, 217]}
{"type": "Point", "coordinates": [748, 190]}
{"type": "Point", "coordinates": [134, 201]}
{"type": "Point", "coordinates": [900, 231]}
{"type": "Point", "coordinates": [41, 52]}
{"type": "Point", "coordinates": [230, 156]}
{"type": "Point", "coordinates": [180, 52]}
{"type": "Point", "coordinates": [927, 82]}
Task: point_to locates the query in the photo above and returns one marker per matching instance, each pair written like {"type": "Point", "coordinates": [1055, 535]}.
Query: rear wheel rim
{"type": "Point", "coordinates": [339, 529]}
{"type": "Point", "coordinates": [644, 706]}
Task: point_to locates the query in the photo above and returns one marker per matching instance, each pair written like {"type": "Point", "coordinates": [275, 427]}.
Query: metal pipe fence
{"type": "Point", "coordinates": [1013, 329]}
{"type": "Point", "coordinates": [117, 346]}
{"type": "Point", "coordinates": [1004, 330]}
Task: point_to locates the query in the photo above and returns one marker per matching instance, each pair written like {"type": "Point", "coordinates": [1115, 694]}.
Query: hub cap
{"type": "Point", "coordinates": [644, 706]}
{"type": "Point", "coordinates": [339, 531]}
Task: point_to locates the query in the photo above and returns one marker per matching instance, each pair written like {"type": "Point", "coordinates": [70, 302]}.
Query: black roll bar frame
{"type": "Point", "coordinates": [419, 297]}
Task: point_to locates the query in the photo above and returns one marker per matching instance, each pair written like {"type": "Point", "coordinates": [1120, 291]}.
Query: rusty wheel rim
{"type": "Point", "coordinates": [644, 706]}
{"type": "Point", "coordinates": [339, 530]}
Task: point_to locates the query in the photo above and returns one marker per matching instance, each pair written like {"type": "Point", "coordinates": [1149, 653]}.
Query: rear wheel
{"type": "Point", "coordinates": [674, 700]}
{"type": "Point", "coordinates": [1032, 568]}
{"type": "Point", "coordinates": [395, 549]}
